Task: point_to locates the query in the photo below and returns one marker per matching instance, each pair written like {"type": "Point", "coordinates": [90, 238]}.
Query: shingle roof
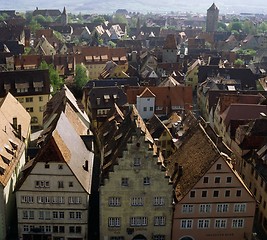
{"type": "Point", "coordinates": [195, 156]}
{"type": "Point", "coordinates": [11, 145]}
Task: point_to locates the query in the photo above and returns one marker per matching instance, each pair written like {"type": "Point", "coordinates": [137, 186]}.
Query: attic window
{"type": "Point", "coordinates": [98, 101]}
{"type": "Point", "coordinates": [6, 160]}
{"type": "Point", "coordinates": [2, 171]}
{"type": "Point", "coordinates": [7, 86]}
{"type": "Point", "coordinates": [13, 144]}
{"type": "Point", "coordinates": [106, 98]}
{"type": "Point", "coordinates": [9, 149]}
{"type": "Point", "coordinates": [115, 96]}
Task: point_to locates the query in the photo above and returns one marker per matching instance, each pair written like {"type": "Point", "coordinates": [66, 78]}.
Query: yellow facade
{"type": "Point", "coordinates": [136, 198]}
{"type": "Point", "coordinates": [35, 106]}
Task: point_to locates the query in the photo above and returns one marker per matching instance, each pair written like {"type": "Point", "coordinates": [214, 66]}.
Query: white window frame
{"type": "Point", "coordinates": [137, 201]}
{"type": "Point", "coordinates": [240, 207]}
{"type": "Point", "coordinates": [238, 223]}
{"type": "Point", "coordinates": [159, 201]}
{"type": "Point", "coordinates": [138, 221]}
{"type": "Point", "coordinates": [187, 208]}
{"type": "Point", "coordinates": [222, 207]}
{"type": "Point", "coordinates": [203, 223]}
{"type": "Point", "coordinates": [159, 221]}
{"type": "Point", "coordinates": [114, 201]}
{"type": "Point", "coordinates": [186, 224]}
{"type": "Point", "coordinates": [220, 223]}
{"type": "Point", "coordinates": [205, 208]}
{"type": "Point", "coordinates": [114, 221]}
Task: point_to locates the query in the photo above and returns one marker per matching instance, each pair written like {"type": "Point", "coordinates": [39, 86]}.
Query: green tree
{"type": "Point", "coordinates": [262, 28]}
{"type": "Point", "coordinates": [239, 62]}
{"type": "Point", "coordinates": [34, 25]}
{"type": "Point", "coordinates": [117, 18]}
{"type": "Point", "coordinates": [98, 20]}
{"type": "Point", "coordinates": [55, 80]}
{"type": "Point", "coordinates": [80, 78]}
{"type": "Point", "coordinates": [235, 26]}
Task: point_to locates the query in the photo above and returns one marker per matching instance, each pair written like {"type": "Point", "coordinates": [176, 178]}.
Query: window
{"type": "Point", "coordinates": [70, 184]}
{"type": "Point", "coordinates": [138, 221]}
{"type": "Point", "coordinates": [41, 109]}
{"type": "Point", "coordinates": [61, 229]}
{"type": "Point", "coordinates": [159, 221]}
{"type": "Point", "coordinates": [42, 184]}
{"type": "Point", "coordinates": [238, 193]}
{"type": "Point", "coordinates": [146, 181]}
{"type": "Point", "coordinates": [220, 223]}
{"type": "Point", "coordinates": [137, 161]}
{"type": "Point", "coordinates": [27, 199]}
{"type": "Point", "coordinates": [187, 208]}
{"type": "Point", "coordinates": [240, 207]}
{"type": "Point", "coordinates": [34, 119]}
{"type": "Point", "coordinates": [114, 202]}
{"type": "Point", "coordinates": [227, 193]}
{"type": "Point", "coordinates": [75, 229]}
{"type": "Point", "coordinates": [60, 184]}
{"type": "Point", "coordinates": [217, 179]}
{"type": "Point", "coordinates": [205, 208]}
{"type": "Point", "coordinates": [204, 193]}
{"type": "Point", "coordinates": [47, 165]}
{"type": "Point", "coordinates": [40, 98]}
{"type": "Point", "coordinates": [158, 201]}
{"type": "Point", "coordinates": [114, 222]}
{"type": "Point", "coordinates": [218, 166]}
{"type": "Point", "coordinates": [75, 215]}
{"type": "Point", "coordinates": [124, 182]}
{"type": "Point", "coordinates": [229, 179]}
{"type": "Point", "coordinates": [29, 109]}
{"type": "Point", "coordinates": [58, 215]}
{"type": "Point", "coordinates": [186, 224]}
{"type": "Point", "coordinates": [159, 237]}
{"type": "Point", "coordinates": [137, 201]}
{"type": "Point", "coordinates": [151, 109]}
{"type": "Point", "coordinates": [28, 214]}
{"type": "Point", "coordinates": [205, 179]}
{"type": "Point", "coordinates": [145, 109]}
{"type": "Point", "coordinates": [75, 200]}
{"type": "Point", "coordinates": [29, 99]}
{"type": "Point", "coordinates": [203, 223]}
{"type": "Point", "coordinates": [192, 194]}
{"type": "Point", "coordinates": [215, 193]}
{"type": "Point", "coordinates": [60, 166]}
{"type": "Point", "coordinates": [237, 223]}
{"type": "Point", "coordinates": [222, 207]}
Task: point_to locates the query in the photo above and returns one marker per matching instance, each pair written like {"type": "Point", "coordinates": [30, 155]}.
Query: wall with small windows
{"type": "Point", "coordinates": [52, 200]}
{"type": "Point", "coordinates": [218, 207]}
{"type": "Point", "coordinates": [35, 105]}
{"type": "Point", "coordinates": [136, 197]}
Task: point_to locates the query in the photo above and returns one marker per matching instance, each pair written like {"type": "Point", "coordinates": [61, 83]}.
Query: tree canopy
{"type": "Point", "coordinates": [55, 80]}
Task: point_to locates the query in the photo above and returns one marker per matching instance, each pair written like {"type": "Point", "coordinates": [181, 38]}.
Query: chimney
{"type": "Point", "coordinates": [85, 166]}
{"type": "Point", "coordinates": [19, 131]}
{"type": "Point", "coordinates": [15, 123]}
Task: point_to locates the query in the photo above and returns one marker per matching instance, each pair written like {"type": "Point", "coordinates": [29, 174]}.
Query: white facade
{"type": "Point", "coordinates": [145, 106]}
{"type": "Point", "coordinates": [52, 202]}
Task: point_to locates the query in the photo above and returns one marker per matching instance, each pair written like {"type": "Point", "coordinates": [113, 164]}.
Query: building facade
{"type": "Point", "coordinates": [135, 196]}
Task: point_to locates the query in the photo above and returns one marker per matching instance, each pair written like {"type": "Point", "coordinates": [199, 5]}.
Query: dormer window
{"type": "Point", "coordinates": [22, 87]}
{"type": "Point", "coordinates": [98, 101]}
{"type": "Point", "coordinates": [106, 98]}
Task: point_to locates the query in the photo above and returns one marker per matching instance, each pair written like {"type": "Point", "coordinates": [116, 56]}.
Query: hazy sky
{"type": "Point", "coordinates": [109, 6]}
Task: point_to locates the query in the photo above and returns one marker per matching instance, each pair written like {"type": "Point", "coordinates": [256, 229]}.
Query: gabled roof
{"type": "Point", "coordinates": [170, 42]}
{"type": "Point", "coordinates": [147, 93]}
{"type": "Point", "coordinates": [169, 82]}
{"type": "Point", "coordinates": [12, 145]}
{"type": "Point", "coordinates": [57, 146]}
{"type": "Point", "coordinates": [64, 101]}
{"type": "Point", "coordinates": [195, 156]}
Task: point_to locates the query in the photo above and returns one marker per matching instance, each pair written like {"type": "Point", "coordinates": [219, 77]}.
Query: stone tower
{"type": "Point", "coordinates": [212, 18]}
{"type": "Point", "coordinates": [64, 17]}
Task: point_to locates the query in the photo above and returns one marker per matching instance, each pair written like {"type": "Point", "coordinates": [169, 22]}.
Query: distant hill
{"type": "Point", "coordinates": [144, 6]}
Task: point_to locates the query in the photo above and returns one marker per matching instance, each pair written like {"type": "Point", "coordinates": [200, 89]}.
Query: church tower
{"type": "Point", "coordinates": [64, 17]}
{"type": "Point", "coordinates": [212, 18]}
